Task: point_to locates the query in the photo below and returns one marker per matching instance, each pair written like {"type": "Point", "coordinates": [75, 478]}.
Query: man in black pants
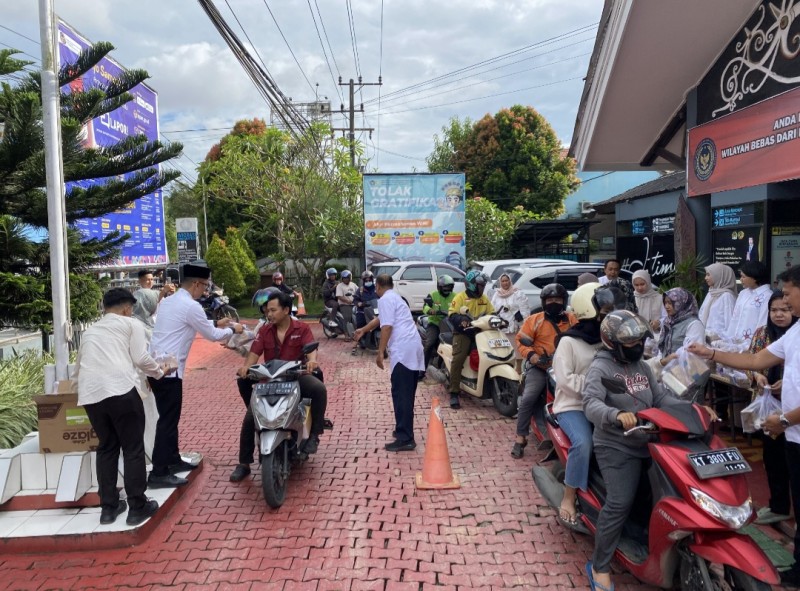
{"type": "Point", "coordinates": [283, 337]}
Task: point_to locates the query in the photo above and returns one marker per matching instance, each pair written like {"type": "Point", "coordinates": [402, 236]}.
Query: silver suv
{"type": "Point", "coordinates": [413, 280]}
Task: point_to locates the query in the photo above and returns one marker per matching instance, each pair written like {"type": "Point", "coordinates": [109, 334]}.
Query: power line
{"type": "Point", "coordinates": [400, 155]}
{"type": "Point", "coordinates": [325, 53]}
{"type": "Point", "coordinates": [197, 129]}
{"type": "Point", "coordinates": [37, 60]}
{"type": "Point", "coordinates": [246, 36]}
{"type": "Point", "coordinates": [20, 34]}
{"type": "Point", "coordinates": [328, 41]}
{"type": "Point", "coordinates": [353, 40]}
{"type": "Point", "coordinates": [380, 77]}
{"type": "Point", "coordinates": [311, 86]}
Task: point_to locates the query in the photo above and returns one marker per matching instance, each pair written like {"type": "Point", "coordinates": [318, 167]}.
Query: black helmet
{"type": "Point", "coordinates": [554, 290]}
{"type": "Point", "coordinates": [445, 285]}
{"type": "Point", "coordinates": [622, 327]}
{"type": "Point", "coordinates": [607, 298]}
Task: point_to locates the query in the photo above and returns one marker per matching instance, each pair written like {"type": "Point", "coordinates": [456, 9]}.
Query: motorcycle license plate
{"type": "Point", "coordinates": [497, 343]}
{"type": "Point", "coordinates": [718, 462]}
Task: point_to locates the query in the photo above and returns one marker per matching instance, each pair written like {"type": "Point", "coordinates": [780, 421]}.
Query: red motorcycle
{"type": "Point", "coordinates": [684, 529]}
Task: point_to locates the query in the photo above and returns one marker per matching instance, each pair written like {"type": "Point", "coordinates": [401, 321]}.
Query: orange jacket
{"type": "Point", "coordinates": [544, 334]}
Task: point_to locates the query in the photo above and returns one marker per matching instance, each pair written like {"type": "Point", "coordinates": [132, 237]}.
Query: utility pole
{"type": "Point", "coordinates": [352, 129]}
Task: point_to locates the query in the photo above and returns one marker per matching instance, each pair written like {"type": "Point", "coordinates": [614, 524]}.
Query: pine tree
{"type": "Point", "coordinates": [239, 250]}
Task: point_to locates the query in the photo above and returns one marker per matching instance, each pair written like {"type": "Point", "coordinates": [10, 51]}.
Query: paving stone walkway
{"type": "Point", "coordinates": [352, 519]}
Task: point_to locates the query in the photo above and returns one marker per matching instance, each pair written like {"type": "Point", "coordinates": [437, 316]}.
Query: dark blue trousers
{"type": "Point", "coordinates": [404, 389]}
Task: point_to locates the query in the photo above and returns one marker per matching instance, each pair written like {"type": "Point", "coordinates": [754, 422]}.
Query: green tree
{"type": "Point", "coordinates": [301, 189]}
{"type": "Point", "coordinates": [454, 134]}
{"type": "Point", "coordinates": [224, 271]}
{"type": "Point", "coordinates": [490, 229]}
{"type": "Point", "coordinates": [512, 158]}
{"type": "Point", "coordinates": [237, 246]}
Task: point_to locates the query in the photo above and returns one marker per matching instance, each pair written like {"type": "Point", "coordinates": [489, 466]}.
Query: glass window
{"type": "Point", "coordinates": [386, 270]}
{"type": "Point", "coordinates": [417, 274]}
{"type": "Point", "coordinates": [569, 279]}
{"type": "Point", "coordinates": [457, 275]}
{"type": "Point", "coordinates": [543, 280]}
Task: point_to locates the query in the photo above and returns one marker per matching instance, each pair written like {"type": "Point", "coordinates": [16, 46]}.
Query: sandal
{"type": "Point", "coordinates": [594, 584]}
{"type": "Point", "coordinates": [568, 519]}
{"type": "Point", "coordinates": [519, 449]}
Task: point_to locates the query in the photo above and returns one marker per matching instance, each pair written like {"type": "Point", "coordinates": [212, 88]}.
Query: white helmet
{"type": "Point", "coordinates": [581, 302]}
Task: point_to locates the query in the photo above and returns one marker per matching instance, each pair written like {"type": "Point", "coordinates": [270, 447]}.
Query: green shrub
{"type": "Point", "coordinates": [224, 271]}
{"type": "Point", "coordinates": [21, 378]}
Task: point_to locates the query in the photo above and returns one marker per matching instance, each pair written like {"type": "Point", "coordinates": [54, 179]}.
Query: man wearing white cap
{"type": "Point", "coordinates": [180, 318]}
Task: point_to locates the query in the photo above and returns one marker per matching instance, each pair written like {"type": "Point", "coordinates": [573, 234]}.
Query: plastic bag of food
{"type": "Point", "coordinates": [686, 375]}
{"type": "Point", "coordinates": [755, 413]}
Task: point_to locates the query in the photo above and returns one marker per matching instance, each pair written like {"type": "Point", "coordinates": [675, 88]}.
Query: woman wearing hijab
{"type": "Point", "coordinates": [779, 320]}
{"type": "Point", "coordinates": [511, 304]}
{"type": "Point", "coordinates": [717, 309]}
{"type": "Point", "coordinates": [625, 287]}
{"type": "Point", "coordinates": [680, 328]}
{"type": "Point", "coordinates": [751, 308]}
{"type": "Point", "coordinates": [648, 300]}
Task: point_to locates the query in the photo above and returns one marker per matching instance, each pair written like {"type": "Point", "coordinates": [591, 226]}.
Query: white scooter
{"type": "Point", "coordinates": [496, 377]}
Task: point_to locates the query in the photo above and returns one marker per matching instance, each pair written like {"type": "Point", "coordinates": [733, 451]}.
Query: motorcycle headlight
{"type": "Point", "coordinates": [733, 517]}
{"type": "Point", "coordinates": [273, 412]}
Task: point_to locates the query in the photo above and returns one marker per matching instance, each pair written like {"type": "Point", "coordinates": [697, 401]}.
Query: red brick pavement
{"type": "Point", "coordinates": [352, 518]}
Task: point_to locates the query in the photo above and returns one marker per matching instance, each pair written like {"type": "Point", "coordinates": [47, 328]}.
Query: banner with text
{"type": "Point", "coordinates": [414, 217]}
{"type": "Point", "coordinates": [143, 219]}
{"type": "Point", "coordinates": [753, 146]}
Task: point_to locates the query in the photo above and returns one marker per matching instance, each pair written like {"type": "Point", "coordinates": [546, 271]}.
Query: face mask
{"type": "Point", "coordinates": [633, 354]}
{"type": "Point", "coordinates": [368, 284]}
{"type": "Point", "coordinates": [554, 309]}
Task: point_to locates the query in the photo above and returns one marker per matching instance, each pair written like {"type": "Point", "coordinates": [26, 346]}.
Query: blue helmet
{"type": "Point", "coordinates": [475, 282]}
{"type": "Point", "coordinates": [262, 295]}
{"type": "Point", "coordinates": [331, 271]}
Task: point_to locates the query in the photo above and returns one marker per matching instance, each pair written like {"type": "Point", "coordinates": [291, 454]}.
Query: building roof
{"type": "Point", "coordinates": [674, 181]}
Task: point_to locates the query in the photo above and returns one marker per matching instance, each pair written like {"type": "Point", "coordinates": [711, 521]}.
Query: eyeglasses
{"type": "Point", "coordinates": [203, 283]}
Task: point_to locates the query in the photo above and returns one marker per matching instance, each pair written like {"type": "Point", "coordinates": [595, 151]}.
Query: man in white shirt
{"type": "Point", "coordinates": [111, 351]}
{"type": "Point", "coordinates": [611, 270]}
{"type": "Point", "coordinates": [180, 318]}
{"type": "Point", "coordinates": [400, 338]}
{"type": "Point", "coordinates": [345, 291]}
{"type": "Point", "coordinates": [785, 350]}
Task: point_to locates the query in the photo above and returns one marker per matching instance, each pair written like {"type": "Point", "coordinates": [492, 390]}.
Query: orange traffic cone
{"type": "Point", "coordinates": [436, 471]}
{"type": "Point", "coordinates": [301, 307]}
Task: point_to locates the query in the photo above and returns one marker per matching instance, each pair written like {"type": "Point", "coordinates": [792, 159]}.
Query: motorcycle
{"type": "Point", "coordinates": [333, 329]}
{"type": "Point", "coordinates": [216, 305]}
{"type": "Point", "coordinates": [688, 535]}
{"type": "Point", "coordinates": [283, 422]}
{"type": "Point", "coordinates": [369, 311]}
{"type": "Point", "coordinates": [539, 425]}
{"type": "Point", "coordinates": [495, 377]}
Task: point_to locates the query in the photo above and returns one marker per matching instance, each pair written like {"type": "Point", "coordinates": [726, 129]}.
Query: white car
{"type": "Point", "coordinates": [532, 279]}
{"type": "Point", "coordinates": [413, 280]}
{"type": "Point", "coordinates": [493, 269]}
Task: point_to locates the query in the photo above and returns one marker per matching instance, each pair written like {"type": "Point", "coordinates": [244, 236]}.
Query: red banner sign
{"type": "Point", "coordinates": [754, 146]}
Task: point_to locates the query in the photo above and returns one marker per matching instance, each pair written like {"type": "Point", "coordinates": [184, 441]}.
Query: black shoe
{"type": "Point", "coordinates": [454, 402]}
{"type": "Point", "coordinates": [400, 445]}
{"type": "Point", "coordinates": [137, 516]}
{"type": "Point", "coordinates": [239, 473]}
{"type": "Point", "coordinates": [182, 467]}
{"type": "Point", "coordinates": [110, 514]}
{"type": "Point", "coordinates": [790, 578]}
{"type": "Point", "coordinates": [312, 444]}
{"type": "Point", "coordinates": [519, 449]}
{"type": "Point", "coordinates": [166, 481]}
{"type": "Point", "coordinates": [394, 433]}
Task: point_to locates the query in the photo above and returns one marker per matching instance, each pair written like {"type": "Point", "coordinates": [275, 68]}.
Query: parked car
{"type": "Point", "coordinates": [493, 269]}
{"type": "Point", "coordinates": [413, 280]}
{"type": "Point", "coordinates": [532, 279]}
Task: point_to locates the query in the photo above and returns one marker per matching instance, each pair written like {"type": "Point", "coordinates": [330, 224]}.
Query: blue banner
{"type": "Point", "coordinates": [143, 219]}
{"type": "Point", "coordinates": [414, 217]}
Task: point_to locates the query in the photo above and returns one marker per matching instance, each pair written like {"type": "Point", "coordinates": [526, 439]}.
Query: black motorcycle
{"type": "Point", "coordinates": [216, 305]}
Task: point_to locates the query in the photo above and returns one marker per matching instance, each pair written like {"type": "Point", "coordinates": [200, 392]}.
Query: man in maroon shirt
{"type": "Point", "coordinates": [283, 337]}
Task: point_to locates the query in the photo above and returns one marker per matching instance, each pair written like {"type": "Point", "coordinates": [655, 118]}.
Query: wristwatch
{"type": "Point", "coordinates": [784, 421]}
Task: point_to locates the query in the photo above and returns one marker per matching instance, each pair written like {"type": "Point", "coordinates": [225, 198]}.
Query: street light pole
{"type": "Point", "coordinates": [56, 219]}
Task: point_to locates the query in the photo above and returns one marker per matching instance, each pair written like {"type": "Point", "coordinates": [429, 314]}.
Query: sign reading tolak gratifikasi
{"type": "Point", "coordinates": [143, 219]}
{"type": "Point", "coordinates": [753, 146]}
{"type": "Point", "coordinates": [414, 217]}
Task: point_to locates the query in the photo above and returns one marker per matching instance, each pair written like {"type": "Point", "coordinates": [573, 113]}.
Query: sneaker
{"type": "Point", "coordinates": [332, 324]}
{"type": "Point", "coordinates": [790, 578]}
{"type": "Point", "coordinates": [166, 481]}
{"type": "Point", "coordinates": [765, 516]}
{"type": "Point", "coordinates": [182, 467]}
{"type": "Point", "coordinates": [312, 444]}
{"type": "Point", "coordinates": [138, 516]}
{"type": "Point", "coordinates": [400, 445]}
{"type": "Point", "coordinates": [239, 473]}
{"type": "Point", "coordinates": [519, 449]}
{"type": "Point", "coordinates": [110, 514]}
{"type": "Point", "coordinates": [454, 402]}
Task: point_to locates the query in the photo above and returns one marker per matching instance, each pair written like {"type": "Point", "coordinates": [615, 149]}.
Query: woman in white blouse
{"type": "Point", "coordinates": [717, 309]}
{"type": "Point", "coordinates": [511, 304]}
{"type": "Point", "coordinates": [648, 300]}
{"type": "Point", "coordinates": [752, 305]}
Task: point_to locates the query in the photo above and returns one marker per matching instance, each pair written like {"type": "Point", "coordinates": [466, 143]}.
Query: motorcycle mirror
{"type": "Point", "coordinates": [614, 385]}
{"type": "Point", "coordinates": [526, 340]}
{"type": "Point", "coordinates": [428, 301]}
{"type": "Point", "coordinates": [310, 347]}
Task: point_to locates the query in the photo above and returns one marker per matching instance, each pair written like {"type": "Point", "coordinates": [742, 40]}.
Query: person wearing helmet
{"type": "Point", "coordinates": [542, 329]}
{"type": "Point", "coordinates": [511, 305]}
{"type": "Point", "coordinates": [476, 305]}
{"type": "Point", "coordinates": [365, 301]}
{"type": "Point", "coordinates": [278, 281]}
{"type": "Point", "coordinates": [436, 307]}
{"type": "Point", "coordinates": [575, 350]}
{"type": "Point", "coordinates": [345, 292]}
{"type": "Point", "coordinates": [618, 385]}
{"type": "Point", "coordinates": [329, 295]}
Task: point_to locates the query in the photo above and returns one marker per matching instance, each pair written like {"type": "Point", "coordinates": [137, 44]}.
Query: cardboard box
{"type": "Point", "coordinates": [63, 425]}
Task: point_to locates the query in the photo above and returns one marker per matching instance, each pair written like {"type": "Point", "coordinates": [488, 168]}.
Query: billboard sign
{"type": "Point", "coordinates": [143, 219]}
{"type": "Point", "coordinates": [415, 217]}
{"type": "Point", "coordinates": [188, 249]}
{"type": "Point", "coordinates": [753, 146]}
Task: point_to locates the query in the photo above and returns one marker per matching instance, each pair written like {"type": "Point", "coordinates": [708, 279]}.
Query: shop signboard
{"type": "Point", "coordinates": [654, 253]}
{"type": "Point", "coordinates": [753, 146]}
{"type": "Point", "coordinates": [188, 250]}
{"type": "Point", "coordinates": [785, 249]}
{"type": "Point", "coordinates": [734, 246]}
{"type": "Point", "coordinates": [143, 219]}
{"type": "Point", "coordinates": [415, 217]}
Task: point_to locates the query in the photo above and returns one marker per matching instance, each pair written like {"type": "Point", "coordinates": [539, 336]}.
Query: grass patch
{"type": "Point", "coordinates": [21, 378]}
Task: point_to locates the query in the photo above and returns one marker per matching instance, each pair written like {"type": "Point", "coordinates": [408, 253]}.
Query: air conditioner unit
{"type": "Point", "coordinates": [586, 206]}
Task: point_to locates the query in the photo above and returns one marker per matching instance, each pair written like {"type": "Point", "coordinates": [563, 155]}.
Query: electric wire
{"type": "Point", "coordinates": [380, 86]}
{"type": "Point", "coordinates": [324, 52]}
{"type": "Point", "coordinates": [285, 40]}
{"type": "Point", "coordinates": [353, 40]}
{"type": "Point", "coordinates": [327, 40]}
{"type": "Point", "coordinates": [20, 34]}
